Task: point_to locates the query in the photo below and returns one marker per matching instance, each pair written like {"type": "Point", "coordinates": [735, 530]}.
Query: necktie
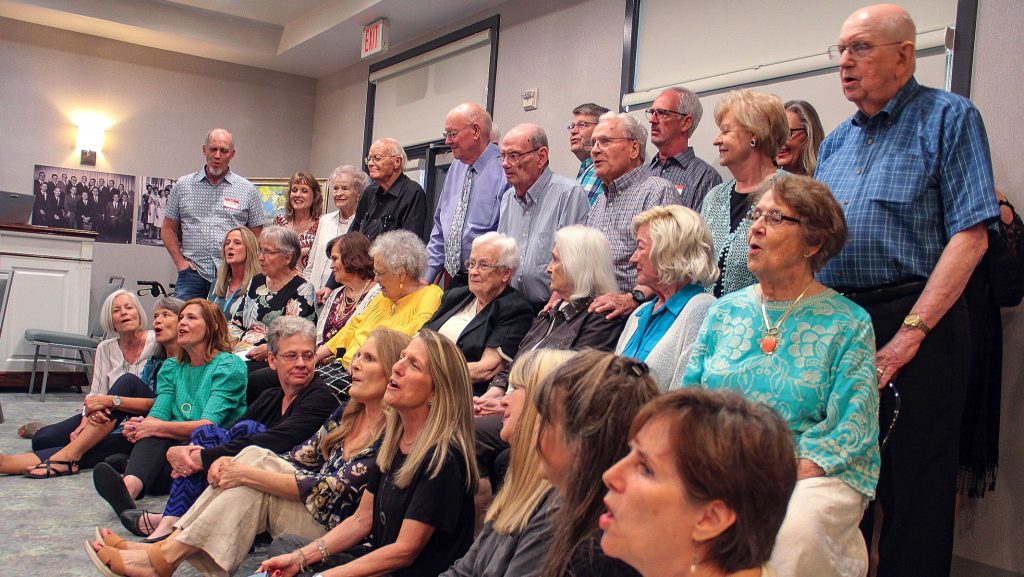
{"type": "Point", "coordinates": [453, 243]}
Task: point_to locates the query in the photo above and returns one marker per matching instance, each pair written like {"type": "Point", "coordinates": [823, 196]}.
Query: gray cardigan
{"type": "Point", "coordinates": [517, 555]}
{"type": "Point", "coordinates": [667, 360]}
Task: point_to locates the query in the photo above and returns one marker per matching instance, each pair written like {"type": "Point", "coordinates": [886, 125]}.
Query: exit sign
{"type": "Point", "coordinates": [375, 38]}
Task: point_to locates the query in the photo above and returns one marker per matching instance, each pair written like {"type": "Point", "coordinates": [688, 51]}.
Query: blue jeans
{"type": "Point", "coordinates": [190, 285]}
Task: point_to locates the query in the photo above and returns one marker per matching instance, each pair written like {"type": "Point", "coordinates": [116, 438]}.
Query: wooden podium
{"type": "Point", "coordinates": [52, 278]}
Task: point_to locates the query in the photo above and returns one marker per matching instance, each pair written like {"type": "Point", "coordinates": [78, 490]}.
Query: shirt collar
{"type": "Point", "coordinates": [393, 191]}
{"type": "Point", "coordinates": [629, 179]}
{"type": "Point", "coordinates": [489, 153]}
{"type": "Point", "coordinates": [534, 192]}
{"type": "Point", "coordinates": [572, 309]}
{"type": "Point", "coordinates": [676, 302]}
{"type": "Point", "coordinates": [587, 163]}
{"type": "Point", "coordinates": [894, 107]}
{"type": "Point", "coordinates": [682, 159]}
{"type": "Point", "coordinates": [227, 177]}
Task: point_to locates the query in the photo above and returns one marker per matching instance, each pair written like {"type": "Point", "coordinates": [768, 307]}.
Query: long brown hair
{"type": "Point", "coordinates": [217, 338]}
{"type": "Point", "coordinates": [593, 399]}
{"type": "Point", "coordinates": [389, 348]}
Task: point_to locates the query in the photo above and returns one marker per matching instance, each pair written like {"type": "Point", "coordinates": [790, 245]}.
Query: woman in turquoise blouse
{"type": "Point", "coordinates": [204, 385]}
{"type": "Point", "coordinates": [809, 353]}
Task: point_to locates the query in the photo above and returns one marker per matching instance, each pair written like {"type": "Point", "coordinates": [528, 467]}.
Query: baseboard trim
{"type": "Point", "coordinates": [56, 381]}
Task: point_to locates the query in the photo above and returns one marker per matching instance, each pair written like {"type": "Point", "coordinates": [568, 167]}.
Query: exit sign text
{"type": "Point", "coordinates": [375, 38]}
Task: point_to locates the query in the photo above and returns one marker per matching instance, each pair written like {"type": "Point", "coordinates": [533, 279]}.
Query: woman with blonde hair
{"type": "Point", "coordinates": [417, 509]}
{"type": "Point", "coordinates": [518, 522]}
{"type": "Point", "coordinates": [799, 155]}
{"type": "Point", "coordinates": [302, 214]}
{"type": "Point", "coordinates": [239, 262]}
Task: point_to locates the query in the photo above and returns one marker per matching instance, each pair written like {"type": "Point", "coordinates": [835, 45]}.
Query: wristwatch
{"type": "Point", "coordinates": [914, 321]}
{"type": "Point", "coordinates": [638, 295]}
{"type": "Point", "coordinates": [117, 401]}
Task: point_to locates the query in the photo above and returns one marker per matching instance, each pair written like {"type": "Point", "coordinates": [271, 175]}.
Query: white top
{"type": "Point", "coordinates": [667, 360]}
{"type": "Point", "coordinates": [453, 327]}
{"type": "Point", "coordinates": [318, 271]}
{"type": "Point", "coordinates": [109, 363]}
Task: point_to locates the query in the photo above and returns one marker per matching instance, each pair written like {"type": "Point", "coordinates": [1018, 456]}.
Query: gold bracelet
{"type": "Point", "coordinates": [302, 559]}
{"type": "Point", "coordinates": [323, 549]}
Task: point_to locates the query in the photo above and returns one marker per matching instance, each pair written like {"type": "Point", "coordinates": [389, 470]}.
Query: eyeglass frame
{"type": "Point", "coordinates": [450, 134]}
{"type": "Point", "coordinates": [292, 357]}
{"type": "Point", "coordinates": [770, 217]}
{"type": "Point", "coordinates": [514, 158]}
{"type": "Point", "coordinates": [662, 113]}
{"type": "Point", "coordinates": [594, 143]}
{"type": "Point", "coordinates": [794, 131]}
{"type": "Point", "coordinates": [260, 251]}
{"type": "Point", "coordinates": [483, 267]}
{"type": "Point", "coordinates": [858, 50]}
{"type": "Point", "coordinates": [580, 125]}
{"type": "Point", "coordinates": [379, 157]}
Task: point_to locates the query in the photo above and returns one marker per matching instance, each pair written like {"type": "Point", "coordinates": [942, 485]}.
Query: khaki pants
{"type": "Point", "coordinates": [223, 523]}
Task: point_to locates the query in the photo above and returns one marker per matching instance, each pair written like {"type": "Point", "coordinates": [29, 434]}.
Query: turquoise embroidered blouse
{"type": "Point", "coordinates": [821, 378]}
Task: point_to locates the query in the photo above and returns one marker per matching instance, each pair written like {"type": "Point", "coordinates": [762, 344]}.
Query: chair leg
{"type": "Point", "coordinates": [35, 361]}
{"type": "Point", "coordinates": [1, 412]}
{"type": "Point", "coordinates": [85, 364]}
{"type": "Point", "coordinates": [46, 375]}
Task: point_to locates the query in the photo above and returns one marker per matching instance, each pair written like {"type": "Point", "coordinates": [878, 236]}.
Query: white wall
{"type": "Point", "coordinates": [570, 50]}
{"type": "Point", "coordinates": [160, 104]}
{"type": "Point", "coordinates": [989, 529]}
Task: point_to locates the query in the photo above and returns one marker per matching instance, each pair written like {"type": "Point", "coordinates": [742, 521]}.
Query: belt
{"type": "Point", "coordinates": [870, 296]}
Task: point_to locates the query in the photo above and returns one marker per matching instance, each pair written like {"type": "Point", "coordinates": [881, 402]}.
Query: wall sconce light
{"type": "Point", "coordinates": [90, 138]}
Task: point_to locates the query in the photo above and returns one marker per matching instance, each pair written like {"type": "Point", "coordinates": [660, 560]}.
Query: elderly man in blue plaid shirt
{"type": "Point", "coordinates": [913, 173]}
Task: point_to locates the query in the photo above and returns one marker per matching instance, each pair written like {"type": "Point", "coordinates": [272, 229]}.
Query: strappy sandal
{"type": "Point", "coordinates": [48, 472]}
{"type": "Point", "coordinates": [109, 562]}
{"type": "Point", "coordinates": [130, 519]}
{"type": "Point", "coordinates": [111, 539]}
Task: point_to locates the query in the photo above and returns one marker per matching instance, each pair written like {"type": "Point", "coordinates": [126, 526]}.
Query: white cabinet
{"type": "Point", "coordinates": [52, 274]}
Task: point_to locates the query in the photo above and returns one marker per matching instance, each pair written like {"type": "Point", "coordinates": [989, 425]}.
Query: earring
{"type": "Point", "coordinates": [753, 142]}
{"type": "Point", "coordinates": [401, 285]}
{"type": "Point", "coordinates": [430, 403]}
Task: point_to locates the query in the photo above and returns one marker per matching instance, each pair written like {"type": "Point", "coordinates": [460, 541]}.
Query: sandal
{"type": "Point", "coordinates": [29, 430]}
{"type": "Point", "coordinates": [48, 472]}
{"type": "Point", "coordinates": [131, 518]}
{"type": "Point", "coordinates": [111, 539]}
{"type": "Point", "coordinates": [110, 486]}
{"type": "Point", "coordinates": [109, 562]}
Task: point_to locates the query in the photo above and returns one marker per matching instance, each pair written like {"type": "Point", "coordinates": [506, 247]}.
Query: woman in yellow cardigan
{"type": "Point", "coordinates": [404, 304]}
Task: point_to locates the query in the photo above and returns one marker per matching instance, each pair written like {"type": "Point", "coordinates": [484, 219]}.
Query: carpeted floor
{"type": "Point", "coordinates": [44, 522]}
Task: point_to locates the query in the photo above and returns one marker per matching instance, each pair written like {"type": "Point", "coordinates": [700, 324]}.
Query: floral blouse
{"type": "Point", "coordinates": [260, 306]}
{"type": "Point", "coordinates": [331, 487]}
{"type": "Point", "coordinates": [305, 241]}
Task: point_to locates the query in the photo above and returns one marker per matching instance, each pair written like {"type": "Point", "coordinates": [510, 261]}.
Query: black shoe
{"type": "Point", "coordinates": [137, 521]}
{"type": "Point", "coordinates": [111, 487]}
{"type": "Point", "coordinates": [119, 461]}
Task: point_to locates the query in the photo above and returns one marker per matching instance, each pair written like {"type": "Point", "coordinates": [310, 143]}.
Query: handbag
{"type": "Point", "coordinates": [1006, 260]}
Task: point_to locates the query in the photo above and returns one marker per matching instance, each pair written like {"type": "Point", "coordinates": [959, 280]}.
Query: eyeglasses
{"type": "Point", "coordinates": [793, 132]}
{"type": "Point", "coordinates": [480, 265]}
{"type": "Point", "coordinates": [379, 273]}
{"type": "Point", "coordinates": [772, 217]}
{"type": "Point", "coordinates": [580, 124]}
{"type": "Point", "coordinates": [376, 158]}
{"type": "Point", "coordinates": [263, 251]}
{"type": "Point", "coordinates": [662, 113]}
{"type": "Point", "coordinates": [513, 158]}
{"type": "Point", "coordinates": [449, 134]}
{"type": "Point", "coordinates": [857, 50]}
{"type": "Point", "coordinates": [603, 141]}
{"type": "Point", "coordinates": [292, 356]}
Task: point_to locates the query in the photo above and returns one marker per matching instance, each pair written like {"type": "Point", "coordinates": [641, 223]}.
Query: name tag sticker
{"type": "Point", "coordinates": [680, 188]}
{"type": "Point", "coordinates": [231, 203]}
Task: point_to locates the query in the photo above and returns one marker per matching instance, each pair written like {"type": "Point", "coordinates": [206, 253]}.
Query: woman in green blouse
{"type": "Point", "coordinates": [204, 385]}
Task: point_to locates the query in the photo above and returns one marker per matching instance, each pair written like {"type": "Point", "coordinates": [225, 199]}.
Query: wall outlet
{"type": "Point", "coordinates": [530, 99]}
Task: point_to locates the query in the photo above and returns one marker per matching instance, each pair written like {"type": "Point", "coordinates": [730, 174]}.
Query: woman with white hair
{"type": "Point", "coordinates": [346, 184]}
{"type": "Point", "coordinates": [488, 318]}
{"type": "Point", "coordinates": [674, 258]}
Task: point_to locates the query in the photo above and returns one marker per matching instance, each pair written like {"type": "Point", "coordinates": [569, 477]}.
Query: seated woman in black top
{"type": "Point", "coordinates": [279, 419]}
{"type": "Point", "coordinates": [488, 318]}
{"type": "Point", "coordinates": [418, 507]}
{"type": "Point", "coordinates": [586, 407]}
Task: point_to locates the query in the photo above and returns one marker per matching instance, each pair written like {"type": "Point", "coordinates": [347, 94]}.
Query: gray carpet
{"type": "Point", "coordinates": [44, 522]}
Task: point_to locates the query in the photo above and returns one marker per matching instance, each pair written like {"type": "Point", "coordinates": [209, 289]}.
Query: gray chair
{"type": "Point", "coordinates": [82, 344]}
{"type": "Point", "coordinates": [6, 282]}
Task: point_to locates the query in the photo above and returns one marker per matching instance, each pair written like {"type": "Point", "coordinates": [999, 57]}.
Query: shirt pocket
{"type": "Point", "coordinates": [900, 178]}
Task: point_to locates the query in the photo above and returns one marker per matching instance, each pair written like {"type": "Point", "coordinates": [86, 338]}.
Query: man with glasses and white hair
{"type": "Point", "coordinates": [394, 201]}
{"type": "Point", "coordinates": [912, 171]}
{"type": "Point", "coordinates": [584, 119]}
{"type": "Point", "coordinates": [469, 202]}
{"type": "Point", "coordinates": [674, 117]}
{"type": "Point", "coordinates": [539, 203]}
{"type": "Point", "coordinates": [619, 143]}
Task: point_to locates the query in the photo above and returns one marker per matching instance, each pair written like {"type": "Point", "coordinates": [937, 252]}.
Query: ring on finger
{"type": "Point", "coordinates": [879, 371]}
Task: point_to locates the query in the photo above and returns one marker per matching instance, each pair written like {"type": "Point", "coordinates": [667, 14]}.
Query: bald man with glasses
{"type": "Point", "coordinates": [674, 117]}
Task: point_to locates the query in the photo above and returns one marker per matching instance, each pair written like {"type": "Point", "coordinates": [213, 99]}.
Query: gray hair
{"type": "Point", "coordinates": [401, 250]}
{"type": "Point", "coordinates": [285, 240]}
{"type": "Point", "coordinates": [508, 250]}
{"type": "Point", "coordinates": [231, 137]}
{"type": "Point", "coordinates": [587, 259]}
{"type": "Point", "coordinates": [634, 129]}
{"type": "Point", "coordinates": [107, 311]}
{"type": "Point", "coordinates": [360, 178]}
{"type": "Point", "coordinates": [169, 303]}
{"type": "Point", "coordinates": [286, 326]}
{"type": "Point", "coordinates": [394, 148]}
{"type": "Point", "coordinates": [688, 104]}
{"type": "Point", "coordinates": [590, 109]}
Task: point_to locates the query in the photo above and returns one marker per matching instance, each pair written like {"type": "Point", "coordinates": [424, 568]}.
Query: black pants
{"type": "Point", "coordinates": [148, 462]}
{"type": "Point", "coordinates": [491, 451]}
{"type": "Point", "coordinates": [917, 485]}
{"type": "Point", "coordinates": [52, 438]}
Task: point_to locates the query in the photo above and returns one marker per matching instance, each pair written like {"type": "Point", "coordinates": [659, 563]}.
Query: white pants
{"type": "Point", "coordinates": [820, 535]}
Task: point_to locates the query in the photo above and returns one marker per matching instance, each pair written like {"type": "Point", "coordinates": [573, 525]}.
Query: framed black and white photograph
{"type": "Point", "coordinates": [152, 200]}
{"type": "Point", "coordinates": [76, 199]}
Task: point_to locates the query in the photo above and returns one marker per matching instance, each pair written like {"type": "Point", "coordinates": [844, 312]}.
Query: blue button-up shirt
{"type": "Point", "coordinates": [908, 179]}
{"type": "Point", "coordinates": [482, 214]}
{"type": "Point", "coordinates": [653, 324]}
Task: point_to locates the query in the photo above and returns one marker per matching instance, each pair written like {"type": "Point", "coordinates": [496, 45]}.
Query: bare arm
{"type": "Point", "coordinates": [412, 537]}
{"type": "Point", "coordinates": [944, 287]}
{"type": "Point", "coordinates": [169, 235]}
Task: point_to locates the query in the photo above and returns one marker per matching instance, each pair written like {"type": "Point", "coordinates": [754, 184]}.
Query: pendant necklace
{"type": "Point", "coordinates": [770, 341]}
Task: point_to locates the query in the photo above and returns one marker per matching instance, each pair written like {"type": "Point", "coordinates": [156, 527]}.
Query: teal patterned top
{"type": "Point", "coordinates": [214, 391]}
{"type": "Point", "coordinates": [821, 378]}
